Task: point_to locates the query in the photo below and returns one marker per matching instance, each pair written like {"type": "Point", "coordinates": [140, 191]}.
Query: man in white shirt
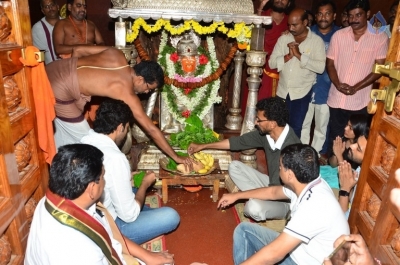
{"type": "Point", "coordinates": [42, 31]}
{"type": "Point", "coordinates": [69, 228]}
{"type": "Point", "coordinates": [316, 217]}
{"type": "Point", "coordinates": [135, 220]}
{"type": "Point", "coordinates": [299, 57]}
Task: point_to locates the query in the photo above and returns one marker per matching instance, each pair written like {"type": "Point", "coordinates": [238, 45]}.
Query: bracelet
{"type": "Point", "coordinates": [378, 261]}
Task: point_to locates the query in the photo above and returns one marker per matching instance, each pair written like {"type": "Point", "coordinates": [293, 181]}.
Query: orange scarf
{"type": "Point", "coordinates": [44, 103]}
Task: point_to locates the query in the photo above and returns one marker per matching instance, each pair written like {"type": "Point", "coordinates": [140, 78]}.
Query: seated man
{"type": "Point", "coordinates": [348, 177]}
{"type": "Point", "coordinates": [109, 132]}
{"type": "Point", "coordinates": [273, 134]}
{"type": "Point", "coordinates": [68, 229]}
{"type": "Point", "coordinates": [316, 218]}
{"type": "Point", "coordinates": [102, 71]}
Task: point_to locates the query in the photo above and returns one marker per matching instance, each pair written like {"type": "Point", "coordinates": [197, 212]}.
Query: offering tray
{"type": "Point", "coordinates": [164, 162]}
{"type": "Point", "coordinates": [213, 179]}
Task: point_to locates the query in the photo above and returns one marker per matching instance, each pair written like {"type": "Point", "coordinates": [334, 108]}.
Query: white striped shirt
{"type": "Point", "coordinates": [353, 61]}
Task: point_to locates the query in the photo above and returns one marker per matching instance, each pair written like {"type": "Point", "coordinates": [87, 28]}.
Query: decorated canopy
{"type": "Point", "coordinates": [227, 11]}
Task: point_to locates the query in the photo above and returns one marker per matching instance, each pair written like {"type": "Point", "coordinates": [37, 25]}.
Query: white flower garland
{"type": "Point", "coordinates": [191, 103]}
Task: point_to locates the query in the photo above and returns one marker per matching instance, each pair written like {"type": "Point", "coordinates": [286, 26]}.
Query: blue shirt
{"type": "Point", "coordinates": [320, 89]}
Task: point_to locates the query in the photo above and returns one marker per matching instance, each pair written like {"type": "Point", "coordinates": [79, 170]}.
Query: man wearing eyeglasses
{"type": "Point", "coordinates": [273, 134]}
{"type": "Point", "coordinates": [42, 31]}
{"type": "Point", "coordinates": [75, 30]}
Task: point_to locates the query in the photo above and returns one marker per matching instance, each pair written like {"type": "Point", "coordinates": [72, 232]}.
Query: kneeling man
{"type": "Point", "coordinates": [136, 221]}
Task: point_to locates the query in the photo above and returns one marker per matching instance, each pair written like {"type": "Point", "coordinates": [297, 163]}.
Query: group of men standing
{"type": "Point", "coordinates": [323, 72]}
{"type": "Point", "coordinates": [57, 36]}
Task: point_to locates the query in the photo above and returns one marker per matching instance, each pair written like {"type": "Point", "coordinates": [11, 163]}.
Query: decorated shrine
{"type": "Point", "coordinates": [193, 68]}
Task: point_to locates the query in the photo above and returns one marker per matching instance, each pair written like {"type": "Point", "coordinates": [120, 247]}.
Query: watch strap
{"type": "Point", "coordinates": [344, 193]}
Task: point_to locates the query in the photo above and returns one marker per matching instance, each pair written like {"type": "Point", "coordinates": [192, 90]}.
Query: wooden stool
{"type": "Point", "coordinates": [212, 179]}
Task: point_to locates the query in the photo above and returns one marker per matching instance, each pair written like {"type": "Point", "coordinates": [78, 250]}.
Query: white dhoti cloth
{"type": "Point", "coordinates": [68, 132]}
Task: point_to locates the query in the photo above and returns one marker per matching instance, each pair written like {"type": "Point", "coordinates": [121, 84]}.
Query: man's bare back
{"type": "Point", "coordinates": [103, 71]}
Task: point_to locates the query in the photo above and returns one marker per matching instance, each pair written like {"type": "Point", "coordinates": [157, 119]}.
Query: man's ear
{"type": "Point", "coordinates": [290, 175]}
{"type": "Point", "coordinates": [90, 190]}
{"type": "Point", "coordinates": [120, 128]}
{"type": "Point", "coordinates": [334, 16]}
{"type": "Point", "coordinates": [368, 13]}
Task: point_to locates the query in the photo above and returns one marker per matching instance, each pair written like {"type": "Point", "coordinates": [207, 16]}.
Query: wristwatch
{"type": "Point", "coordinates": [344, 193]}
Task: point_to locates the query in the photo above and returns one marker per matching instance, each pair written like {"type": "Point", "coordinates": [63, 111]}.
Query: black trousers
{"type": "Point", "coordinates": [337, 122]}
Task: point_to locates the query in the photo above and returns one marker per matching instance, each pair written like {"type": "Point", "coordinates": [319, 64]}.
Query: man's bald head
{"type": "Point", "coordinates": [299, 13]}
{"type": "Point", "coordinates": [297, 21]}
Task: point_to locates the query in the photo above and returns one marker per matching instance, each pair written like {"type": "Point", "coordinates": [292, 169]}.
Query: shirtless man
{"type": "Point", "coordinates": [75, 30]}
{"type": "Point", "coordinates": [102, 71]}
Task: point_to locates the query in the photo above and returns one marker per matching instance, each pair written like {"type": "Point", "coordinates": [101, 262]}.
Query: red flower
{"type": "Point", "coordinates": [187, 90]}
{"type": "Point", "coordinates": [174, 57]}
{"type": "Point", "coordinates": [203, 59]}
{"type": "Point", "coordinates": [186, 113]}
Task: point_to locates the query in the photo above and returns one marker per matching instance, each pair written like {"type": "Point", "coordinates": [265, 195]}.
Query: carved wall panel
{"type": "Point", "coordinates": [5, 250]}
{"type": "Point", "coordinates": [5, 26]}
{"type": "Point", "coordinates": [13, 94]}
{"type": "Point", "coordinates": [395, 243]}
{"type": "Point", "coordinates": [396, 108]}
{"type": "Point", "coordinates": [30, 207]}
{"type": "Point", "coordinates": [23, 153]}
{"type": "Point", "coordinates": [373, 206]}
{"type": "Point", "coordinates": [388, 154]}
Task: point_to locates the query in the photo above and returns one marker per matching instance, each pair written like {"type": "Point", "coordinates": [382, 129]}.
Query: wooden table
{"type": "Point", "coordinates": [212, 179]}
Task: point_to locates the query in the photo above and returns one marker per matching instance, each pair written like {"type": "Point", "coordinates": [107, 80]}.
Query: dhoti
{"type": "Point", "coordinates": [69, 133]}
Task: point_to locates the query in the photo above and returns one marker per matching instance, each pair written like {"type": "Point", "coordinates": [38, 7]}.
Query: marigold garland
{"type": "Point", "coordinates": [241, 32]}
{"type": "Point", "coordinates": [214, 76]}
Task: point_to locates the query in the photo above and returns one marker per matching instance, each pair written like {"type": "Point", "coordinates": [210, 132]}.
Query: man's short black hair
{"type": "Point", "coordinates": [353, 4]}
{"type": "Point", "coordinates": [302, 159]}
{"type": "Point", "coordinates": [327, 2]}
{"type": "Point", "coordinates": [110, 114]}
{"type": "Point", "coordinates": [275, 109]}
{"type": "Point", "coordinates": [73, 168]}
{"type": "Point", "coordinates": [151, 72]}
{"type": "Point", "coordinates": [288, 9]}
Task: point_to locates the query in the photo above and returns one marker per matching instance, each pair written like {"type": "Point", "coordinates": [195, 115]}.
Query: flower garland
{"type": "Point", "coordinates": [196, 101]}
{"type": "Point", "coordinates": [241, 32]}
{"type": "Point", "coordinates": [192, 85]}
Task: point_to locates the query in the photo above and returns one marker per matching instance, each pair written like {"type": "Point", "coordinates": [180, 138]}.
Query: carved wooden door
{"type": "Point", "coordinates": [371, 214]}
{"type": "Point", "coordinates": [23, 172]}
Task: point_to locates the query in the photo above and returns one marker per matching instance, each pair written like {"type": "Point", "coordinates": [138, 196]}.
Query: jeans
{"type": "Point", "coordinates": [151, 223]}
{"type": "Point", "coordinates": [249, 238]}
{"type": "Point", "coordinates": [297, 112]}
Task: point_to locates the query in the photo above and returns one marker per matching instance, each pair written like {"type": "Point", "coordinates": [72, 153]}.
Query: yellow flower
{"type": "Point", "coordinates": [241, 32]}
